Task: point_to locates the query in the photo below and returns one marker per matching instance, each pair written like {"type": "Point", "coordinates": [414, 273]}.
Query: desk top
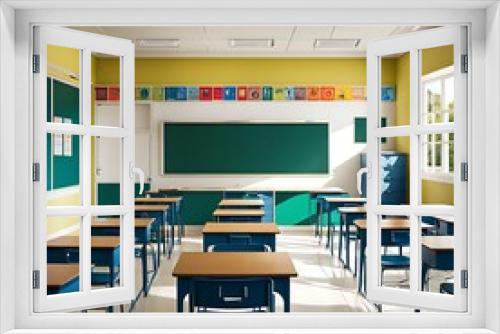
{"type": "Point", "coordinates": [438, 242]}
{"type": "Point", "coordinates": [390, 224]}
{"type": "Point", "coordinates": [115, 222]}
{"type": "Point", "coordinates": [345, 199]}
{"type": "Point", "coordinates": [61, 273]}
{"type": "Point", "coordinates": [151, 207]}
{"type": "Point", "coordinates": [237, 264]}
{"type": "Point", "coordinates": [256, 228]}
{"type": "Point", "coordinates": [238, 212]}
{"type": "Point", "coordinates": [241, 202]}
{"type": "Point", "coordinates": [160, 200]}
{"type": "Point", "coordinates": [74, 242]}
{"type": "Point", "coordinates": [352, 209]}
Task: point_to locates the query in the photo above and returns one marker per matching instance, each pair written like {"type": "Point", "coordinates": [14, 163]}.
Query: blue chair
{"type": "Point", "coordinates": [254, 294]}
{"type": "Point", "coordinates": [399, 239]}
{"type": "Point", "coordinates": [239, 247]}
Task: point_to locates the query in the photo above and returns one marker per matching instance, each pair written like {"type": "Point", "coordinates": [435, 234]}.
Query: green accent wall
{"type": "Point", "coordinates": [109, 193]}
{"type": "Point", "coordinates": [294, 208]}
{"type": "Point", "coordinates": [217, 148]}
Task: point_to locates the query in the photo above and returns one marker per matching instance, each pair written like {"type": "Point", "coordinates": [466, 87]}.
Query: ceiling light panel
{"type": "Point", "coordinates": [336, 43]}
{"type": "Point", "coordinates": [169, 43]}
{"type": "Point", "coordinates": [251, 43]}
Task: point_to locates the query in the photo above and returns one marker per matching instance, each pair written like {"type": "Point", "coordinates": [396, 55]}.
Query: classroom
{"type": "Point", "coordinates": [245, 150]}
{"type": "Point", "coordinates": [277, 173]}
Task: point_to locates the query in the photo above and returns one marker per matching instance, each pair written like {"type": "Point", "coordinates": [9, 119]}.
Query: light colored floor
{"type": "Point", "coordinates": [322, 285]}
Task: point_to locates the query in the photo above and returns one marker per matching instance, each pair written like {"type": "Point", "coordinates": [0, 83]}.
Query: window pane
{"type": "Point", "coordinates": [437, 84]}
{"type": "Point", "coordinates": [63, 254]}
{"type": "Point", "coordinates": [106, 111]}
{"type": "Point", "coordinates": [395, 68]}
{"type": "Point", "coordinates": [107, 175]}
{"type": "Point", "coordinates": [394, 172]}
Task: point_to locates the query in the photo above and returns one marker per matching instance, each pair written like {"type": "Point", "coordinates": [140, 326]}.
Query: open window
{"type": "Point", "coordinates": [430, 132]}
{"type": "Point", "coordinates": [71, 270]}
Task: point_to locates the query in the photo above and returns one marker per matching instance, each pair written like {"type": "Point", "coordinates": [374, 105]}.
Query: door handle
{"type": "Point", "coordinates": [359, 176]}
{"type": "Point", "coordinates": [139, 172]}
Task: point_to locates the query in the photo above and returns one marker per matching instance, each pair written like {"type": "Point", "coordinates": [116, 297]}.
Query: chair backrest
{"type": "Point", "coordinates": [214, 293]}
{"type": "Point", "coordinates": [239, 247]}
{"type": "Point", "coordinates": [400, 238]}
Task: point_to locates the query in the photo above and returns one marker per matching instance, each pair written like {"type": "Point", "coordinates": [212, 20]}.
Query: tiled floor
{"type": "Point", "coordinates": [322, 285]}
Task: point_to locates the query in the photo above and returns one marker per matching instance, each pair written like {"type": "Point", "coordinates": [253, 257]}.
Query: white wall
{"type": "Point", "coordinates": [344, 154]}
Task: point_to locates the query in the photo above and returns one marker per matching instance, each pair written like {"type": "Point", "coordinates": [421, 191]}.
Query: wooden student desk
{"type": "Point", "coordinates": [276, 266]}
{"type": "Point", "coordinates": [348, 214]}
{"type": "Point", "coordinates": [175, 202]}
{"type": "Point", "coordinates": [241, 202]}
{"type": "Point", "coordinates": [437, 253]}
{"type": "Point", "coordinates": [143, 236]}
{"type": "Point", "coordinates": [333, 203]}
{"type": "Point", "coordinates": [63, 278]}
{"type": "Point", "coordinates": [235, 214]}
{"type": "Point", "coordinates": [160, 212]}
{"type": "Point", "coordinates": [251, 233]}
{"type": "Point", "coordinates": [105, 252]}
{"type": "Point", "coordinates": [387, 226]}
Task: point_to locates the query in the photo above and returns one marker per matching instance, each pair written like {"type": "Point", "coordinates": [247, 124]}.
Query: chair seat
{"type": "Point", "coordinates": [395, 261]}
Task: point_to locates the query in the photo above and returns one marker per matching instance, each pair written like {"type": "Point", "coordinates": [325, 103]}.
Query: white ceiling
{"type": "Point", "coordinates": [289, 41]}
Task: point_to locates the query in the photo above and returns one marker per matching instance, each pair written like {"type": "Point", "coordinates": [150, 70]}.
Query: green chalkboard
{"type": "Point", "coordinates": [245, 148]}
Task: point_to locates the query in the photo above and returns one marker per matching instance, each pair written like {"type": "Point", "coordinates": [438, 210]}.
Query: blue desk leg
{"type": "Point", "coordinates": [282, 286]}
{"type": "Point", "coordinates": [343, 224]}
{"type": "Point", "coordinates": [328, 222]}
{"type": "Point", "coordinates": [361, 262]}
{"type": "Point", "coordinates": [182, 291]}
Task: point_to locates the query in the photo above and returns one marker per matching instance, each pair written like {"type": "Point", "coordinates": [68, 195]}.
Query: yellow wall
{"type": "Point", "coordinates": [432, 60]}
{"type": "Point", "coordinates": [273, 71]}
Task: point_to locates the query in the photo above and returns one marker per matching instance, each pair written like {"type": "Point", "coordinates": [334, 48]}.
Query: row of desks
{"type": "Point", "coordinates": [230, 209]}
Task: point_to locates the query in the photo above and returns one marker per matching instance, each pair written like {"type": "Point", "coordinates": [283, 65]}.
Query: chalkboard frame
{"type": "Point", "coordinates": [328, 171]}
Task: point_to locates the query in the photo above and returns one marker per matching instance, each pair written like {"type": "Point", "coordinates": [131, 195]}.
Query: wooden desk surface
{"type": "Point", "coordinates": [345, 199]}
{"type": "Point", "coordinates": [160, 200]}
{"type": "Point", "coordinates": [352, 209]}
{"type": "Point", "coordinates": [238, 212]}
{"type": "Point", "coordinates": [390, 224]}
{"type": "Point", "coordinates": [115, 222]}
{"type": "Point", "coordinates": [74, 242]}
{"type": "Point", "coordinates": [238, 264]}
{"type": "Point", "coordinates": [241, 202]}
{"type": "Point", "coordinates": [438, 242]}
{"type": "Point", "coordinates": [61, 273]}
{"type": "Point", "coordinates": [151, 207]}
{"type": "Point", "coordinates": [256, 228]}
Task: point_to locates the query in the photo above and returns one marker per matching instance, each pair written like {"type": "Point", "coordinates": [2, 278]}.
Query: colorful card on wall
{"type": "Point", "coordinates": [181, 93]}
{"type": "Point", "coordinates": [280, 93]}
{"type": "Point", "coordinates": [289, 92]}
{"type": "Point", "coordinates": [347, 92]}
{"type": "Point", "coordinates": [388, 94]}
{"type": "Point", "coordinates": [158, 94]}
{"type": "Point", "coordinates": [254, 93]}
{"type": "Point", "coordinates": [192, 93]}
{"type": "Point", "coordinates": [206, 93]}
{"type": "Point", "coordinates": [313, 93]}
{"type": "Point", "coordinates": [113, 93]}
{"type": "Point", "coordinates": [327, 93]}
{"type": "Point", "coordinates": [101, 93]}
{"type": "Point", "coordinates": [230, 93]}
{"type": "Point", "coordinates": [218, 93]}
{"type": "Point", "coordinates": [175, 93]}
{"type": "Point", "coordinates": [242, 93]}
{"type": "Point", "coordinates": [142, 93]}
{"type": "Point", "coordinates": [358, 93]}
{"type": "Point", "coordinates": [267, 93]}
{"type": "Point", "coordinates": [339, 92]}
{"type": "Point", "coordinates": [300, 93]}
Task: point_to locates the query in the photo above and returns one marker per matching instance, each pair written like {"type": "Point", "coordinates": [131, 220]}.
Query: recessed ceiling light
{"type": "Point", "coordinates": [336, 43]}
{"type": "Point", "coordinates": [251, 43]}
{"type": "Point", "coordinates": [158, 43]}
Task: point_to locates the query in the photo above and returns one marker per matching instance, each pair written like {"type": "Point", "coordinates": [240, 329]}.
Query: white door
{"type": "Point", "coordinates": [69, 274]}
{"type": "Point", "coordinates": [429, 136]}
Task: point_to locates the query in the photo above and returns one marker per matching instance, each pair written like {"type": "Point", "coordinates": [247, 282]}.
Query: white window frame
{"type": "Point", "coordinates": [441, 173]}
{"type": "Point", "coordinates": [86, 44]}
{"type": "Point", "coordinates": [483, 312]}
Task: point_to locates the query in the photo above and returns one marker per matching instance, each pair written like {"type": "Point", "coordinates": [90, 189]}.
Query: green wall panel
{"type": "Point", "coordinates": [294, 208]}
{"type": "Point", "coordinates": [109, 193]}
{"type": "Point", "coordinates": [245, 148]}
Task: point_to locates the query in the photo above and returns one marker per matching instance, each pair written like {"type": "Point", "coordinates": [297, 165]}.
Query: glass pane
{"type": "Point", "coordinates": [63, 85]}
{"type": "Point", "coordinates": [63, 254]}
{"type": "Point", "coordinates": [395, 89]}
{"type": "Point", "coordinates": [437, 254]}
{"type": "Point", "coordinates": [106, 111]}
{"type": "Point", "coordinates": [437, 82]}
{"type": "Point", "coordinates": [63, 170]}
{"type": "Point", "coordinates": [106, 231]}
{"type": "Point", "coordinates": [394, 171]}
{"type": "Point", "coordinates": [394, 251]}
{"type": "Point", "coordinates": [437, 169]}
{"type": "Point", "coordinates": [107, 175]}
